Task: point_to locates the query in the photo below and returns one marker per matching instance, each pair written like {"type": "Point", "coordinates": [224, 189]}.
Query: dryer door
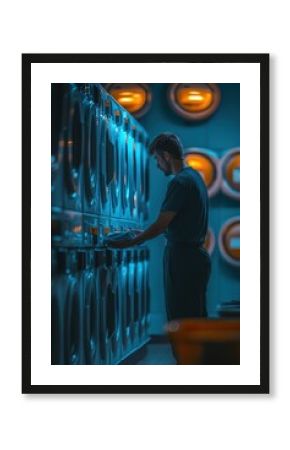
{"type": "Point", "coordinates": [103, 338]}
{"type": "Point", "coordinates": [73, 151]}
{"type": "Point", "coordinates": [58, 297]}
{"type": "Point", "coordinates": [73, 317]}
{"type": "Point", "coordinates": [90, 157]}
{"type": "Point", "coordinates": [113, 315]}
{"type": "Point", "coordinates": [115, 137]}
{"type": "Point", "coordinates": [57, 144]}
{"type": "Point", "coordinates": [91, 317]}
{"type": "Point", "coordinates": [147, 188]}
{"type": "Point", "coordinates": [125, 174]}
{"type": "Point", "coordinates": [137, 296]}
{"type": "Point", "coordinates": [132, 173]}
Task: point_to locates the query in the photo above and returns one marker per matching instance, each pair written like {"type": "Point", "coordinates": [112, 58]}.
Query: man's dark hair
{"type": "Point", "coordinates": [167, 142]}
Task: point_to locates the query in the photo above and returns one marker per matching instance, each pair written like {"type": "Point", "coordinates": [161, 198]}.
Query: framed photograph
{"type": "Point", "coordinates": [145, 234]}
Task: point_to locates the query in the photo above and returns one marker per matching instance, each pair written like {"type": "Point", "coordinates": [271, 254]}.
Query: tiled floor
{"type": "Point", "coordinates": [157, 354]}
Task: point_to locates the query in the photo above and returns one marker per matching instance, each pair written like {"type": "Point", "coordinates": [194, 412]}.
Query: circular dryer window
{"type": "Point", "coordinates": [207, 164]}
{"type": "Point", "coordinates": [135, 98]}
{"type": "Point", "coordinates": [194, 101]}
{"type": "Point", "coordinates": [230, 168]}
{"type": "Point", "coordinates": [229, 241]}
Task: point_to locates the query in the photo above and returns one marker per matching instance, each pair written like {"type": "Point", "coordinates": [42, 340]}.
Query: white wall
{"type": "Point", "coordinates": [201, 421]}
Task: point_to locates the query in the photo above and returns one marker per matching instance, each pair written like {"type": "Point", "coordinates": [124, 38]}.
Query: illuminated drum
{"type": "Point", "coordinates": [229, 241]}
{"type": "Point", "coordinates": [230, 169]}
{"type": "Point", "coordinates": [194, 101]}
{"type": "Point", "coordinates": [135, 98]}
{"type": "Point", "coordinates": [207, 164]}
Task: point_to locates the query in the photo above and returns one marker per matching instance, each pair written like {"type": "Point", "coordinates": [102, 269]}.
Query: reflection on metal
{"type": "Point", "coordinates": [230, 169]}
{"type": "Point", "coordinates": [207, 164]}
{"type": "Point", "coordinates": [229, 241]}
{"type": "Point", "coordinates": [209, 241]}
{"type": "Point", "coordinates": [135, 98]}
{"type": "Point", "coordinates": [194, 101]}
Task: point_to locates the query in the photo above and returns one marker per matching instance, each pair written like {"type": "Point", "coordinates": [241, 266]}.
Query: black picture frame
{"type": "Point", "coordinates": [263, 61]}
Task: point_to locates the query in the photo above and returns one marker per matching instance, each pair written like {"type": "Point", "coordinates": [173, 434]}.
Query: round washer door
{"type": "Point", "coordinates": [207, 164]}
{"type": "Point", "coordinates": [229, 241]}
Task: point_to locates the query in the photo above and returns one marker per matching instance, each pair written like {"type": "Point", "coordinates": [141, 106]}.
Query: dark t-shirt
{"type": "Point", "coordinates": [187, 195]}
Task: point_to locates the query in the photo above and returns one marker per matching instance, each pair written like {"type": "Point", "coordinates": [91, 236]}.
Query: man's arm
{"type": "Point", "coordinates": [158, 227]}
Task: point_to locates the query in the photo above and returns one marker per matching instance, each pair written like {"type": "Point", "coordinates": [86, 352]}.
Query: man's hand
{"type": "Point", "coordinates": [121, 244]}
{"type": "Point", "coordinates": [158, 227]}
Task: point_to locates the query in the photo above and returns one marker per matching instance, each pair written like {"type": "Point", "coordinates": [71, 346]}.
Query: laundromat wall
{"type": "Point", "coordinates": [100, 303]}
{"type": "Point", "coordinates": [219, 133]}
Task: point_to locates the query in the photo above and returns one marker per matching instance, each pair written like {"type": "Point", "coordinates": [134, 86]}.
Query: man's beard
{"type": "Point", "coordinates": [167, 170]}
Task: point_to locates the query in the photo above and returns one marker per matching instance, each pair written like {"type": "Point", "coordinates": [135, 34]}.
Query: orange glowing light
{"type": "Point", "coordinates": [231, 240]}
{"type": "Point", "coordinates": [94, 231]}
{"type": "Point", "coordinates": [233, 172]}
{"type": "Point", "coordinates": [77, 229]}
{"type": "Point", "coordinates": [203, 165]}
{"type": "Point", "coordinates": [194, 99]}
{"type": "Point", "coordinates": [132, 97]}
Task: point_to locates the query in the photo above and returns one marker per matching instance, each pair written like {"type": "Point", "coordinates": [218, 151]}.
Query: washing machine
{"type": "Point", "coordinates": [132, 172]}
{"type": "Point", "coordinates": [146, 186]}
{"type": "Point", "coordinates": [147, 290]}
{"type": "Point", "coordinates": [59, 286]}
{"type": "Point", "coordinates": [121, 283]}
{"type": "Point", "coordinates": [136, 298]}
{"type": "Point", "coordinates": [142, 292]}
{"type": "Point", "coordinates": [57, 144]}
{"type": "Point", "coordinates": [229, 241]}
{"type": "Point", "coordinates": [112, 309]}
{"type": "Point", "coordinates": [67, 308]}
{"type": "Point", "coordinates": [140, 276]}
{"type": "Point", "coordinates": [91, 310]}
{"type": "Point", "coordinates": [92, 120]}
{"type": "Point", "coordinates": [123, 298]}
{"type": "Point", "coordinates": [140, 175]}
{"type": "Point", "coordinates": [101, 278]}
{"type": "Point", "coordinates": [107, 154]}
{"type": "Point", "coordinates": [206, 162]}
{"type": "Point", "coordinates": [73, 148]}
{"type": "Point", "coordinates": [129, 299]}
{"type": "Point", "coordinates": [230, 169]}
{"type": "Point", "coordinates": [116, 185]}
{"type": "Point", "coordinates": [124, 157]}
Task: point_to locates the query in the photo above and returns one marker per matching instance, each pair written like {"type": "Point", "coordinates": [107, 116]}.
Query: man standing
{"type": "Point", "coordinates": [184, 219]}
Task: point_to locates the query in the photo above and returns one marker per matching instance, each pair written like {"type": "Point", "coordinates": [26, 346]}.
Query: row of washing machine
{"type": "Point", "coordinates": [100, 163]}
{"type": "Point", "coordinates": [100, 304]}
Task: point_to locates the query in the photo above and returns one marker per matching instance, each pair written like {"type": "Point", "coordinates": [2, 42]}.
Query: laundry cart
{"type": "Point", "coordinates": [99, 184]}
